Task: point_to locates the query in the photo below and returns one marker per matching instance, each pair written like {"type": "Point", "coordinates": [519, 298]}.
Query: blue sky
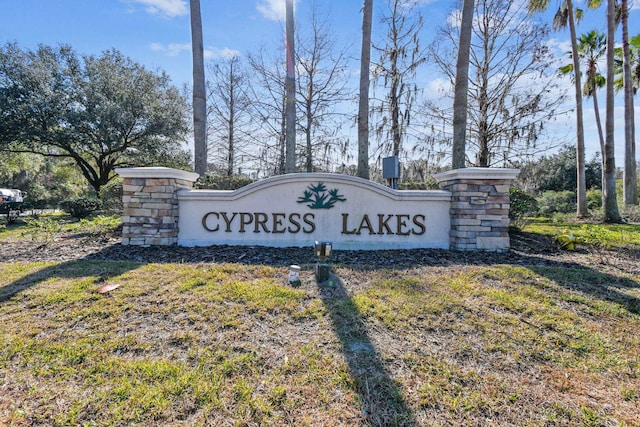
{"type": "Point", "coordinates": [157, 34]}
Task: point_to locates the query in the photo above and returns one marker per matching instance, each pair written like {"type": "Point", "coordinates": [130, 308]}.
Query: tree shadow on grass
{"type": "Point", "coordinates": [103, 272]}
{"type": "Point", "coordinates": [381, 396]}
{"type": "Point", "coordinates": [587, 273]}
{"type": "Point", "coordinates": [381, 400]}
{"type": "Point", "coordinates": [597, 284]}
{"type": "Point", "coordinates": [538, 255]}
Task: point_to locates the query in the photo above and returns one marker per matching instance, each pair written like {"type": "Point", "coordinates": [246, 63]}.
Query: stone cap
{"type": "Point", "coordinates": [477, 174]}
{"type": "Point", "coordinates": [157, 172]}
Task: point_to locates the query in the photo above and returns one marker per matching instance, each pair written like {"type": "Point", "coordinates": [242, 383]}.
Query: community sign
{"type": "Point", "coordinates": [298, 209]}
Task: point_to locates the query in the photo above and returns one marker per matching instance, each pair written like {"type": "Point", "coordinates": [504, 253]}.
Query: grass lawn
{"type": "Point", "coordinates": [188, 344]}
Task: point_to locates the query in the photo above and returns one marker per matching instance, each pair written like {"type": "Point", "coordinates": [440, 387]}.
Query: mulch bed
{"type": "Point", "coordinates": [526, 249]}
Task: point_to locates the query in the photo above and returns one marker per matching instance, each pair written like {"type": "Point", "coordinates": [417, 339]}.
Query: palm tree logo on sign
{"type": "Point", "coordinates": [317, 197]}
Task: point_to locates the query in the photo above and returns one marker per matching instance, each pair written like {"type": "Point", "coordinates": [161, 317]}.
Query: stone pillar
{"type": "Point", "coordinates": [150, 199]}
{"type": "Point", "coordinates": [479, 207]}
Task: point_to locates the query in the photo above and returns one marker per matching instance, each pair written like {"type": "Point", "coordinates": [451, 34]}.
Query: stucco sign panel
{"type": "Point", "coordinates": [298, 209]}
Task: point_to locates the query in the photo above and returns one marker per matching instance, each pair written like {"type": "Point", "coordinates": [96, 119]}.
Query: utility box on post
{"type": "Point", "coordinates": [391, 171]}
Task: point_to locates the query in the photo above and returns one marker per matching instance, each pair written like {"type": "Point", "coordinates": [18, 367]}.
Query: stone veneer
{"type": "Point", "coordinates": [150, 199]}
{"type": "Point", "coordinates": [479, 207]}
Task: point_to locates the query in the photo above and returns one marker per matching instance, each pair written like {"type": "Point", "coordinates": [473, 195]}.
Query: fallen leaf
{"type": "Point", "coordinates": [107, 287]}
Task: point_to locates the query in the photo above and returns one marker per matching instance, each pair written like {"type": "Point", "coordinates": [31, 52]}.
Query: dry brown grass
{"type": "Point", "coordinates": [231, 344]}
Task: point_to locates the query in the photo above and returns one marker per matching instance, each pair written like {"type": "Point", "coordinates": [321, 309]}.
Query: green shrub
{"type": "Point", "coordinates": [594, 199]}
{"type": "Point", "coordinates": [220, 182]}
{"type": "Point", "coordinates": [631, 213]}
{"type": "Point", "coordinates": [521, 204]}
{"type": "Point", "coordinates": [81, 207]}
{"type": "Point", "coordinates": [111, 197]}
{"type": "Point", "coordinates": [556, 202]}
{"type": "Point", "coordinates": [100, 226]}
{"type": "Point", "coordinates": [430, 184]}
{"type": "Point", "coordinates": [43, 230]}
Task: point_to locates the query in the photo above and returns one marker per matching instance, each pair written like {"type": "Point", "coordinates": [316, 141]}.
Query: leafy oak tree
{"type": "Point", "coordinates": [102, 112]}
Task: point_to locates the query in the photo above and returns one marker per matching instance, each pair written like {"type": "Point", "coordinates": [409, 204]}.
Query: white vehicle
{"type": "Point", "coordinates": [10, 195]}
{"type": "Point", "coordinates": [11, 203]}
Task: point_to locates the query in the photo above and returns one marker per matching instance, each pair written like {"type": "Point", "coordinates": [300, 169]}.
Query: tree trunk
{"type": "Point", "coordinates": [396, 131]}
{"type": "Point", "coordinates": [600, 135]}
{"type": "Point", "coordinates": [598, 122]}
{"type": "Point", "coordinates": [199, 93]}
{"type": "Point", "coordinates": [290, 86]}
{"type": "Point", "coordinates": [396, 81]}
{"type": "Point", "coordinates": [231, 122]}
{"type": "Point", "coordinates": [308, 142]}
{"type": "Point", "coordinates": [580, 161]}
{"type": "Point", "coordinates": [630, 175]}
{"type": "Point", "coordinates": [483, 156]}
{"type": "Point", "coordinates": [460, 100]}
{"type": "Point", "coordinates": [363, 103]}
{"type": "Point", "coordinates": [282, 140]}
{"type": "Point", "coordinates": [611, 213]}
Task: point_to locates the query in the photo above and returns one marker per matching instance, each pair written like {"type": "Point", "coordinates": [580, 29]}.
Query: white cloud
{"type": "Point", "coordinates": [561, 47]}
{"type": "Point", "coordinates": [272, 9]}
{"type": "Point", "coordinates": [221, 53]}
{"type": "Point", "coordinates": [415, 3]}
{"type": "Point", "coordinates": [438, 86]}
{"type": "Point", "coordinates": [171, 49]}
{"type": "Point", "coordinates": [175, 49]}
{"type": "Point", "coordinates": [168, 8]}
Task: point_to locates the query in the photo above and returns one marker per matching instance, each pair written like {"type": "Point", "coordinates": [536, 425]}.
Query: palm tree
{"type": "Point", "coordinates": [634, 63]}
{"type": "Point", "coordinates": [591, 48]}
{"type": "Point", "coordinates": [363, 103]}
{"type": "Point", "coordinates": [462, 86]}
{"type": "Point", "coordinates": [611, 213]}
{"type": "Point", "coordinates": [199, 91]}
{"type": "Point", "coordinates": [566, 16]}
{"type": "Point", "coordinates": [630, 176]}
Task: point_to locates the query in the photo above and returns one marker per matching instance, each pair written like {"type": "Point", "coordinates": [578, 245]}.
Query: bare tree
{"type": "Point", "coordinates": [229, 108]}
{"type": "Point", "coordinates": [513, 90]}
{"type": "Point", "coordinates": [322, 84]}
{"type": "Point", "coordinates": [399, 60]}
{"type": "Point", "coordinates": [363, 101]}
{"type": "Point", "coordinates": [199, 91]}
{"type": "Point", "coordinates": [269, 105]}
